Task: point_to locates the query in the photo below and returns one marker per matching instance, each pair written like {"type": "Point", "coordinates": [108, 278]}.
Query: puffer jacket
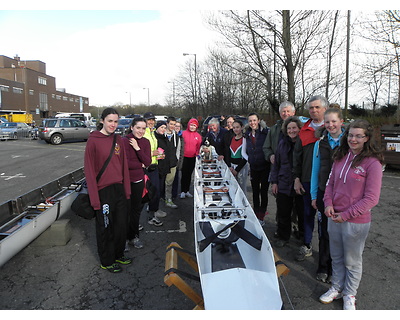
{"type": "Point", "coordinates": [281, 172]}
{"type": "Point", "coordinates": [255, 151]}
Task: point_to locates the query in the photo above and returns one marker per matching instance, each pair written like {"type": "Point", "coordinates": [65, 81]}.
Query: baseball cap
{"type": "Point", "coordinates": [149, 115]}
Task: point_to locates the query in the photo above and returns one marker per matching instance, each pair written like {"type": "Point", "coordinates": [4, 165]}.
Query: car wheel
{"type": "Point", "coordinates": [56, 139]}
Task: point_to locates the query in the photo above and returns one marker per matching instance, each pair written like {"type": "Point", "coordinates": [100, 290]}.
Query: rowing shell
{"type": "Point", "coordinates": [235, 259]}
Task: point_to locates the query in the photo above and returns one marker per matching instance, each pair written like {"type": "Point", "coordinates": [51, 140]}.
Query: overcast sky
{"type": "Point", "coordinates": [105, 55]}
{"type": "Point", "coordinates": [108, 55]}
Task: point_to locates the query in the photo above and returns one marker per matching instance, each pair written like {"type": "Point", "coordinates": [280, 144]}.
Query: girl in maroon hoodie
{"type": "Point", "coordinates": [139, 157]}
{"type": "Point", "coordinates": [108, 196]}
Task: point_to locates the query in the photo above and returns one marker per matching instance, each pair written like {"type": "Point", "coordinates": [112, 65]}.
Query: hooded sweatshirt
{"type": "Point", "coordinates": [192, 141]}
{"type": "Point", "coordinates": [353, 192]}
{"type": "Point", "coordinates": [136, 159]}
{"type": "Point", "coordinates": [96, 153]}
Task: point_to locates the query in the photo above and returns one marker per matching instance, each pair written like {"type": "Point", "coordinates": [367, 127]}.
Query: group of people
{"type": "Point", "coordinates": [316, 168]}
{"type": "Point", "coordinates": [335, 172]}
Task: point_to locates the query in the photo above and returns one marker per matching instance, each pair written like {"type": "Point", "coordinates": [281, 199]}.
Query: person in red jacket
{"type": "Point", "coordinates": [139, 157]}
{"type": "Point", "coordinates": [109, 195]}
{"type": "Point", "coordinates": [192, 142]}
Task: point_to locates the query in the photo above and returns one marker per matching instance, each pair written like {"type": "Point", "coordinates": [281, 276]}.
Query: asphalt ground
{"type": "Point", "coordinates": [69, 277]}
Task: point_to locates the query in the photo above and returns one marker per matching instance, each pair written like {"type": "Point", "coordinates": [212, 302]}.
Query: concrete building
{"type": "Point", "coordinates": [24, 85]}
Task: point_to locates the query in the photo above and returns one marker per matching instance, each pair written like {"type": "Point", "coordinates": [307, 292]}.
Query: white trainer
{"type": "Point", "coordinates": [160, 214]}
{"type": "Point", "coordinates": [188, 194]}
{"type": "Point", "coordinates": [330, 295]}
{"type": "Point", "coordinates": [183, 195]}
{"type": "Point", "coordinates": [349, 302]}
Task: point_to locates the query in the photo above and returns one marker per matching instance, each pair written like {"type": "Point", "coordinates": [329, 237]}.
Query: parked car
{"type": "Point", "coordinates": [3, 120]}
{"type": "Point", "coordinates": [58, 130]}
{"type": "Point", "coordinates": [204, 129]}
{"type": "Point", "coordinates": [123, 126]}
{"type": "Point", "coordinates": [15, 130]}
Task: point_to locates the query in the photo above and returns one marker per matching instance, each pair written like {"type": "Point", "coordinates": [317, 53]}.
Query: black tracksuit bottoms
{"type": "Point", "coordinates": [111, 224]}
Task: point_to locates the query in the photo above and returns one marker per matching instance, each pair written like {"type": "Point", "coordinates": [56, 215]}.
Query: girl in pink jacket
{"type": "Point", "coordinates": [352, 190]}
{"type": "Point", "coordinates": [192, 142]}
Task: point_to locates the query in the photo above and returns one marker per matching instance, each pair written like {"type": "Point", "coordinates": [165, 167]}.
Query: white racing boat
{"type": "Point", "coordinates": [235, 259]}
{"type": "Point", "coordinates": [23, 219]}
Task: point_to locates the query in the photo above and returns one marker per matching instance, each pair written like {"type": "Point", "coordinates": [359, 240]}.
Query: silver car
{"type": "Point", "coordinates": [57, 130]}
{"type": "Point", "coordinates": [15, 130]}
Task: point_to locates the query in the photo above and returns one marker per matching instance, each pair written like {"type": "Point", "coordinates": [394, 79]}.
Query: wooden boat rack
{"type": "Point", "coordinates": [172, 274]}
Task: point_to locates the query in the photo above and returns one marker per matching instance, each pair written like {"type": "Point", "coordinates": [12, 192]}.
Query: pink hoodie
{"type": "Point", "coordinates": [192, 140]}
{"type": "Point", "coordinates": [353, 192]}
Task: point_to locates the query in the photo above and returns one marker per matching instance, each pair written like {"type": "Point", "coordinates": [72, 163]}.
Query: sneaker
{"type": "Point", "coordinates": [349, 302]}
{"type": "Point", "coordinates": [114, 268]}
{"type": "Point", "coordinates": [124, 260]}
{"type": "Point", "coordinates": [126, 246]}
{"type": "Point", "coordinates": [330, 295]}
{"type": "Point", "coordinates": [183, 195]}
{"type": "Point", "coordinates": [155, 222]}
{"type": "Point", "coordinates": [160, 214]}
{"type": "Point", "coordinates": [140, 227]}
{"type": "Point", "coordinates": [188, 194]}
{"type": "Point", "coordinates": [281, 243]}
{"type": "Point", "coordinates": [170, 204]}
{"type": "Point", "coordinates": [323, 277]}
{"type": "Point", "coordinates": [262, 222]}
{"type": "Point", "coordinates": [304, 252]}
{"type": "Point", "coordinates": [137, 243]}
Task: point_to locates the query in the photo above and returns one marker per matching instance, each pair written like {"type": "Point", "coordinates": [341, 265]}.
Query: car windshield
{"type": "Point", "coordinates": [8, 125]}
{"type": "Point", "coordinates": [125, 121]}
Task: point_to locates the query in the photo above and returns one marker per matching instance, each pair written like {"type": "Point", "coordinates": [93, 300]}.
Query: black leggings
{"type": "Point", "coordinates": [135, 208]}
{"type": "Point", "coordinates": [259, 184]}
{"type": "Point", "coordinates": [187, 170]}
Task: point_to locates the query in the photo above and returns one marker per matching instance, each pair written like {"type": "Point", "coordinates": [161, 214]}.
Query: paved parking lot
{"type": "Point", "coordinates": [68, 277]}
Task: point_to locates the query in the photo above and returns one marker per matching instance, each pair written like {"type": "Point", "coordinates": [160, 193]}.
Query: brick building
{"type": "Point", "coordinates": [24, 85]}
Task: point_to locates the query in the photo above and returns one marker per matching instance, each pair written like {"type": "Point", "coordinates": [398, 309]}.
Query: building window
{"type": "Point", "coordinates": [42, 80]}
{"type": "Point", "coordinates": [4, 88]}
{"type": "Point", "coordinates": [58, 97]}
{"type": "Point", "coordinates": [43, 102]}
{"type": "Point", "coordinates": [31, 92]}
{"type": "Point", "coordinates": [71, 99]}
{"type": "Point", "coordinates": [53, 95]}
{"type": "Point", "coordinates": [65, 98]}
{"type": "Point", "coordinates": [17, 90]}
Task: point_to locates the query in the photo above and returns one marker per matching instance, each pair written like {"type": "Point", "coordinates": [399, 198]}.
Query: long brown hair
{"type": "Point", "coordinates": [370, 149]}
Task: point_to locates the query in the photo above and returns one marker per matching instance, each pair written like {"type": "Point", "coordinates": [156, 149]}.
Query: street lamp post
{"type": "Point", "coordinates": [173, 92]}
{"type": "Point", "coordinates": [130, 100]}
{"type": "Point", "coordinates": [148, 95]}
{"type": "Point", "coordinates": [195, 75]}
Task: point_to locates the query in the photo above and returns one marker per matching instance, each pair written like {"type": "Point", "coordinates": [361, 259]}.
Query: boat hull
{"type": "Point", "coordinates": [235, 259]}
{"type": "Point", "coordinates": [28, 216]}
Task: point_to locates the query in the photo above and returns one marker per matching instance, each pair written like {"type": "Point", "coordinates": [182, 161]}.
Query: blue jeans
{"type": "Point", "coordinates": [347, 241]}
{"type": "Point", "coordinates": [309, 214]}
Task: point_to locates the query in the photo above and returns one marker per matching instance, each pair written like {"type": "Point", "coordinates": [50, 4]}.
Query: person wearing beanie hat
{"type": "Point", "coordinates": [160, 123]}
{"type": "Point", "coordinates": [192, 143]}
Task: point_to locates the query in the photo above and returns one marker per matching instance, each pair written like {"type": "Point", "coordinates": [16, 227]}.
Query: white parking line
{"type": "Point", "coordinates": [182, 228]}
{"type": "Point", "coordinates": [18, 175]}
